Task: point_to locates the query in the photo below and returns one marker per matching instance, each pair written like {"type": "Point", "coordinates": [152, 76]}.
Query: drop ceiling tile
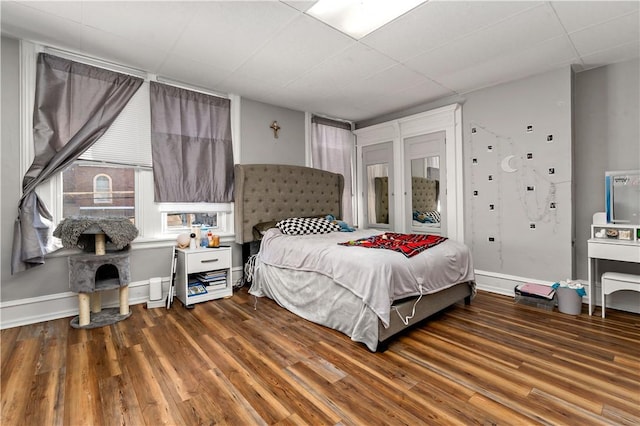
{"type": "Point", "coordinates": [31, 24]}
{"type": "Point", "coordinates": [354, 63]}
{"type": "Point", "coordinates": [543, 57]}
{"type": "Point", "coordinates": [619, 53]}
{"type": "Point", "coordinates": [436, 23]}
{"type": "Point", "coordinates": [303, 44]}
{"type": "Point", "coordinates": [389, 81]}
{"type": "Point", "coordinates": [189, 71]}
{"type": "Point", "coordinates": [251, 88]}
{"type": "Point", "coordinates": [71, 10]}
{"type": "Point", "coordinates": [300, 5]}
{"type": "Point", "coordinates": [576, 15]}
{"type": "Point", "coordinates": [508, 37]}
{"type": "Point", "coordinates": [157, 23]}
{"type": "Point", "coordinates": [102, 45]}
{"type": "Point", "coordinates": [420, 94]}
{"type": "Point", "coordinates": [608, 34]}
{"type": "Point", "coordinates": [226, 34]}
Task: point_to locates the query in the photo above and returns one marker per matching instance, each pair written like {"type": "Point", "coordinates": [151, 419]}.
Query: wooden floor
{"type": "Point", "coordinates": [492, 362]}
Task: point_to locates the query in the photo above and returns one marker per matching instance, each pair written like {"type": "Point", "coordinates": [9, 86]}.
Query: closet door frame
{"type": "Point", "coordinates": [448, 119]}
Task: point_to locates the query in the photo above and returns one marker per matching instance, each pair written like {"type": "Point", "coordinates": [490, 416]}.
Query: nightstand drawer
{"type": "Point", "coordinates": [208, 260]}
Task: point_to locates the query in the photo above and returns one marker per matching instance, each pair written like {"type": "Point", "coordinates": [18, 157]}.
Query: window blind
{"type": "Point", "coordinates": [128, 140]}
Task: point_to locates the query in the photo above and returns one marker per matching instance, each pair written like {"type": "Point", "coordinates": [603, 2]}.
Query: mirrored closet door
{"type": "Point", "coordinates": [378, 185]}
{"type": "Point", "coordinates": [425, 177]}
{"type": "Point", "coordinates": [418, 157]}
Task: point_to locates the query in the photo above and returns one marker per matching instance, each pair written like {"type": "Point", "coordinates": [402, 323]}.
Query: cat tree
{"type": "Point", "coordinates": [92, 273]}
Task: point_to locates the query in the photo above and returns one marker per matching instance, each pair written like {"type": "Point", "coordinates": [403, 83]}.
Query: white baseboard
{"type": "Point", "coordinates": [496, 282]}
{"type": "Point", "coordinates": [32, 310]}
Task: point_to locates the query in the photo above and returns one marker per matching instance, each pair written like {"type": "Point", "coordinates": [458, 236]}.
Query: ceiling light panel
{"type": "Point", "coordinates": [358, 18]}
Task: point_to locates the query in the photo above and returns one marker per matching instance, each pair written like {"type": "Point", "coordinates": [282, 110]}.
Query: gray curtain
{"type": "Point", "coordinates": [74, 105]}
{"type": "Point", "coordinates": [191, 146]}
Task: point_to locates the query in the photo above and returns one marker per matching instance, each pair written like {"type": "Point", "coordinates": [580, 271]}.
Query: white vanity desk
{"type": "Point", "coordinates": [611, 248]}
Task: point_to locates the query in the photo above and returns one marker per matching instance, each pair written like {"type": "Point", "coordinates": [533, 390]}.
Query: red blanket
{"type": "Point", "coordinates": [407, 244]}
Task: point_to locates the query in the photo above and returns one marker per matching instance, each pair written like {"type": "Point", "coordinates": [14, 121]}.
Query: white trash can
{"type": "Point", "coordinates": [569, 301]}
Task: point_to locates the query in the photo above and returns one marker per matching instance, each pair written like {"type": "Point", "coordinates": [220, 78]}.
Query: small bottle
{"type": "Point", "coordinates": [210, 239]}
{"type": "Point", "coordinates": [192, 242]}
{"type": "Point", "coordinates": [204, 241]}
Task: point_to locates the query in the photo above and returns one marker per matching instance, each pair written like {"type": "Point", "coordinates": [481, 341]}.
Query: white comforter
{"type": "Point", "coordinates": [377, 276]}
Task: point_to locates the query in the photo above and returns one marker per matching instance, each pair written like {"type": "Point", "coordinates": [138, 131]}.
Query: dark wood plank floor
{"type": "Point", "coordinates": [228, 361]}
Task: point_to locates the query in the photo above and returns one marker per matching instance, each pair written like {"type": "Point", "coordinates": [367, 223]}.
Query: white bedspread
{"type": "Point", "coordinates": [377, 276]}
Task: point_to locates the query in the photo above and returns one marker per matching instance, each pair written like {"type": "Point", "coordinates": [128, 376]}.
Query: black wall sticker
{"type": "Point", "coordinates": [529, 129]}
{"type": "Point", "coordinates": [532, 226]}
{"type": "Point", "coordinates": [552, 171]}
{"type": "Point", "coordinates": [491, 239]}
{"type": "Point", "coordinates": [490, 148]}
{"type": "Point", "coordinates": [531, 188]}
{"type": "Point", "coordinates": [475, 193]}
{"type": "Point", "coordinates": [491, 206]}
{"type": "Point", "coordinates": [552, 205]}
{"type": "Point", "coordinates": [490, 177]}
{"type": "Point", "coordinates": [549, 138]}
{"type": "Point", "coordinates": [473, 130]}
{"type": "Point", "coordinates": [529, 155]}
{"type": "Point", "coordinates": [474, 161]}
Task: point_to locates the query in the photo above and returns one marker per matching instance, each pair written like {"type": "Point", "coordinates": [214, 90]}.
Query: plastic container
{"type": "Point", "coordinates": [569, 301]}
{"type": "Point", "coordinates": [536, 302]}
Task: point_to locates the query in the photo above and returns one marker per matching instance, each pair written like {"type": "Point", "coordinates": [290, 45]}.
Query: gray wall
{"type": "Point", "coordinates": [607, 137]}
{"type": "Point", "coordinates": [259, 145]}
{"type": "Point", "coordinates": [498, 117]}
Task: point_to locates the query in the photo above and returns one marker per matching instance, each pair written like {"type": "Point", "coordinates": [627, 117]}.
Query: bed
{"type": "Point", "coordinates": [338, 298]}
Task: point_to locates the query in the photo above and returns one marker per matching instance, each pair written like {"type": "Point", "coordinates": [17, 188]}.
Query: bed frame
{"type": "Point", "coordinates": [272, 192]}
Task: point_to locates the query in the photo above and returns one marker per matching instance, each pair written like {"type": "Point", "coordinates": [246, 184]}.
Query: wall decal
{"type": "Point", "coordinates": [505, 164]}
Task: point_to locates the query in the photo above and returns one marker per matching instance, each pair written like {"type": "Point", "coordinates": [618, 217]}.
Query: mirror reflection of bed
{"type": "Point", "coordinates": [425, 195]}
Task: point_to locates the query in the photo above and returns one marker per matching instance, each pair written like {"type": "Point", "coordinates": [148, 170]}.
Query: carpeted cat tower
{"type": "Point", "coordinates": [92, 273]}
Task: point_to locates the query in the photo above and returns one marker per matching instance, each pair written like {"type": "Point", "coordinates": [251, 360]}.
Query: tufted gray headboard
{"type": "Point", "coordinates": [270, 192]}
{"type": "Point", "coordinates": [424, 194]}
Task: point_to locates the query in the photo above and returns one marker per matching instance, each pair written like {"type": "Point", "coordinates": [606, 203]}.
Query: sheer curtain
{"type": "Point", "coordinates": [191, 146]}
{"type": "Point", "coordinates": [74, 105]}
{"type": "Point", "coordinates": [331, 148]}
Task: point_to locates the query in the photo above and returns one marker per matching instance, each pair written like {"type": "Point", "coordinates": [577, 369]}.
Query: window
{"type": "Point", "coordinates": [114, 176]}
{"type": "Point", "coordinates": [102, 192]}
{"type": "Point", "coordinates": [112, 192]}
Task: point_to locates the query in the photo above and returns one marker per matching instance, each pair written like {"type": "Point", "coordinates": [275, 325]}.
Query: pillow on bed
{"type": "Point", "coordinates": [427, 217]}
{"type": "Point", "coordinates": [261, 228]}
{"type": "Point", "coordinates": [306, 225]}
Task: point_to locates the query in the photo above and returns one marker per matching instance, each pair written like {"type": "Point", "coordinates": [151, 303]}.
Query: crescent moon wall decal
{"type": "Point", "coordinates": [505, 164]}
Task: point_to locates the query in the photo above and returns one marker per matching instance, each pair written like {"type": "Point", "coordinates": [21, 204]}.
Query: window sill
{"type": "Point", "coordinates": [140, 244]}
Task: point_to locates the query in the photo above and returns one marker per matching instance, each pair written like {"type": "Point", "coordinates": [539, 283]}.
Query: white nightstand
{"type": "Point", "coordinates": [212, 266]}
